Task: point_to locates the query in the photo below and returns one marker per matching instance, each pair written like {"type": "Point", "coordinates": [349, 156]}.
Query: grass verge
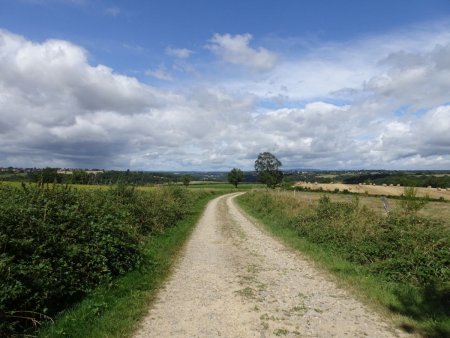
{"type": "Point", "coordinates": [116, 309]}
{"type": "Point", "coordinates": [411, 308]}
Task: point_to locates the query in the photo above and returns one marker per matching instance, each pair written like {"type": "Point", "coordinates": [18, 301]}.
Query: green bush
{"type": "Point", "coordinates": [58, 244]}
{"type": "Point", "coordinates": [400, 247]}
{"type": "Point", "coordinates": [410, 203]}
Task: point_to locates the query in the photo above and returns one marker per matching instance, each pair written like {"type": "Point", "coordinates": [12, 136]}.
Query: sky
{"type": "Point", "coordinates": [170, 85]}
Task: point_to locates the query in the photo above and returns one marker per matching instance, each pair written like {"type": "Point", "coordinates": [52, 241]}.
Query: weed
{"type": "Point", "coordinates": [247, 292]}
{"type": "Point", "coordinates": [299, 309]}
{"type": "Point", "coordinates": [280, 332]}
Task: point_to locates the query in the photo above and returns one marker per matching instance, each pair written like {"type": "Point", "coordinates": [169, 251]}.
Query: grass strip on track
{"type": "Point", "coordinates": [116, 310]}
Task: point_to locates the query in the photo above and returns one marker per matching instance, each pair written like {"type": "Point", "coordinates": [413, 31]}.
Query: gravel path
{"type": "Point", "coordinates": [235, 280]}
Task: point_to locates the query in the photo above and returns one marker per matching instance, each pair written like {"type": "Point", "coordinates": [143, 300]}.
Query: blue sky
{"type": "Point", "coordinates": [207, 85]}
{"type": "Point", "coordinates": [131, 35]}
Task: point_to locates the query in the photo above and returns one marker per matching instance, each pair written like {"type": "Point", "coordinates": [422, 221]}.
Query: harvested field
{"type": "Point", "coordinates": [376, 189]}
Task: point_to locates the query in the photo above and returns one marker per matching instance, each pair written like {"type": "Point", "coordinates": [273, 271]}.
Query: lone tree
{"type": "Point", "coordinates": [187, 179]}
{"type": "Point", "coordinates": [235, 176]}
{"type": "Point", "coordinates": [266, 167]}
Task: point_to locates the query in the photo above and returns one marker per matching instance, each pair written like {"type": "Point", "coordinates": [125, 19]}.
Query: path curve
{"type": "Point", "coordinates": [235, 280]}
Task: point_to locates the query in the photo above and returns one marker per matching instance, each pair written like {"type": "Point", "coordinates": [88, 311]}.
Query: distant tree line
{"type": "Point", "coordinates": [315, 177]}
{"type": "Point", "coordinates": [405, 179]}
{"type": "Point", "coordinates": [78, 176]}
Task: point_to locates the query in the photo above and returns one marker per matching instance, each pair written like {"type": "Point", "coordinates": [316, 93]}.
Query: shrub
{"type": "Point", "coordinates": [410, 203]}
{"type": "Point", "coordinates": [401, 247]}
{"type": "Point", "coordinates": [58, 244]}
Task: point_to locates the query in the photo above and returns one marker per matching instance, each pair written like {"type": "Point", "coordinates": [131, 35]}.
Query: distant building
{"type": "Point", "coordinates": [65, 172]}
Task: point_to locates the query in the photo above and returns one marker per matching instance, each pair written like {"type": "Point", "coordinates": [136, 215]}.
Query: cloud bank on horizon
{"type": "Point", "coordinates": [378, 101]}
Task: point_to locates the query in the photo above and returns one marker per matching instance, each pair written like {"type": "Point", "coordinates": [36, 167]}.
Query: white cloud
{"type": "Point", "coordinates": [235, 49]}
{"type": "Point", "coordinates": [56, 109]}
{"type": "Point", "coordinates": [160, 73]}
{"type": "Point", "coordinates": [380, 102]}
{"type": "Point", "coordinates": [409, 141]}
{"type": "Point", "coordinates": [419, 80]}
{"type": "Point", "coordinates": [52, 100]}
{"type": "Point", "coordinates": [181, 53]}
{"type": "Point", "coordinates": [336, 69]}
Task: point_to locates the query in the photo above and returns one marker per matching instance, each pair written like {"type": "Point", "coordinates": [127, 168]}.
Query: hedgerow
{"type": "Point", "coordinates": [57, 244]}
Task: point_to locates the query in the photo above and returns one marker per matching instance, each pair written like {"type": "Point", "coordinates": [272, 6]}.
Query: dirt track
{"type": "Point", "coordinates": [234, 280]}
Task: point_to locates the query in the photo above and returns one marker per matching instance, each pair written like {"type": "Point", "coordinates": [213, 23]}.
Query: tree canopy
{"type": "Point", "coordinates": [235, 176]}
{"type": "Point", "coordinates": [187, 179]}
{"type": "Point", "coordinates": [266, 167]}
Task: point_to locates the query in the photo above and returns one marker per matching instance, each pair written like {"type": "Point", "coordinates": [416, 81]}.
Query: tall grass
{"type": "Point", "coordinates": [406, 256]}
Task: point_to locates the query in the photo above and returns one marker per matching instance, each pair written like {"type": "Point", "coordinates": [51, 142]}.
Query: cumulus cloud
{"type": "Point", "coordinates": [57, 109]}
{"type": "Point", "coordinates": [235, 49]}
{"type": "Point", "coordinates": [181, 53]}
{"type": "Point", "coordinates": [340, 69]}
{"type": "Point", "coordinates": [425, 136]}
{"type": "Point", "coordinates": [393, 112]}
{"type": "Point", "coordinates": [406, 142]}
{"type": "Point", "coordinates": [54, 102]}
{"type": "Point", "coordinates": [419, 80]}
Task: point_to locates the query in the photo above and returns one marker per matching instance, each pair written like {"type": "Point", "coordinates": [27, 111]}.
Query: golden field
{"type": "Point", "coordinates": [386, 190]}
